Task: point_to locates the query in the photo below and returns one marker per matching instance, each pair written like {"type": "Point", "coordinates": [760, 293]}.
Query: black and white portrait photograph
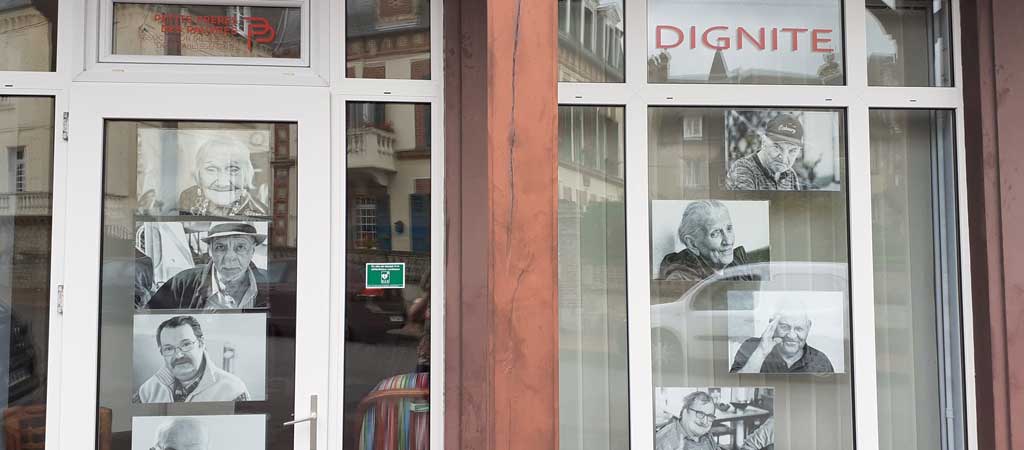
{"type": "Point", "coordinates": [199, 358]}
{"type": "Point", "coordinates": [695, 239]}
{"type": "Point", "coordinates": [714, 418]}
{"type": "Point", "coordinates": [787, 332]}
{"type": "Point", "coordinates": [201, 172]}
{"type": "Point", "coordinates": [201, 265]}
{"type": "Point", "coordinates": [781, 150]}
{"type": "Point", "coordinates": [240, 432]}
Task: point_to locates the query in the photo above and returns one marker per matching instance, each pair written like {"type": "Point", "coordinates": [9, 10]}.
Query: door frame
{"type": "Point", "coordinates": [93, 104]}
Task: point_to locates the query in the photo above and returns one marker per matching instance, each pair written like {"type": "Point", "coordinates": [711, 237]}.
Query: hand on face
{"type": "Point", "coordinates": [791, 333]}
{"type": "Point", "coordinates": [716, 243]}
{"type": "Point", "coordinates": [182, 351]}
{"type": "Point", "coordinates": [231, 256]}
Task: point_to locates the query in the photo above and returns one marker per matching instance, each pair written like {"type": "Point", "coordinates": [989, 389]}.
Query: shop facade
{"type": "Point", "coordinates": [600, 224]}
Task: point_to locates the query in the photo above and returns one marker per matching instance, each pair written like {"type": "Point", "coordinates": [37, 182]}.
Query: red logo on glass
{"type": "Point", "coordinates": [260, 31]}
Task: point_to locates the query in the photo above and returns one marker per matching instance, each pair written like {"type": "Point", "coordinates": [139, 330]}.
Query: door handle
{"type": "Point", "coordinates": [311, 419]}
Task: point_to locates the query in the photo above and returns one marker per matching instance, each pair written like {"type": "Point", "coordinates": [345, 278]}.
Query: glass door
{"type": "Point", "coordinates": [202, 255]}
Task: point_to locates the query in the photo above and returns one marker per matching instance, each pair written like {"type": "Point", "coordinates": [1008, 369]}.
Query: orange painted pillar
{"type": "Point", "coordinates": [501, 354]}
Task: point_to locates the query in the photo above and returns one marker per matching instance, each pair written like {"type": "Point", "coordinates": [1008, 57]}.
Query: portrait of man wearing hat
{"type": "Point", "coordinates": [229, 281]}
{"type": "Point", "coordinates": [770, 167]}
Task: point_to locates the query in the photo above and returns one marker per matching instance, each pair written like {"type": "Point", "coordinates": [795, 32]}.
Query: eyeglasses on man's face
{"type": "Point", "coordinates": [703, 416]}
{"type": "Point", "coordinates": [184, 347]}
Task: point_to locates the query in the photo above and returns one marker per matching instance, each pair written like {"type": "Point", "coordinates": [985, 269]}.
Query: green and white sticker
{"type": "Point", "coordinates": [385, 275]}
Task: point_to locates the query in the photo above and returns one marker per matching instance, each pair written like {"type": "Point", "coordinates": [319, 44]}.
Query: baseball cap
{"type": "Point", "coordinates": [785, 128]}
{"type": "Point", "coordinates": [234, 229]}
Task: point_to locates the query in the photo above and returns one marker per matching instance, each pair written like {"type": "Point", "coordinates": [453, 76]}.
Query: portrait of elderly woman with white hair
{"type": "Point", "coordinates": [223, 174]}
{"type": "Point", "coordinates": [707, 231]}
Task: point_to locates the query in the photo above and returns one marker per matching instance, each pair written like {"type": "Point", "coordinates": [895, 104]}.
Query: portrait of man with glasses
{"type": "Point", "coordinates": [714, 418]}
{"type": "Point", "coordinates": [188, 374]}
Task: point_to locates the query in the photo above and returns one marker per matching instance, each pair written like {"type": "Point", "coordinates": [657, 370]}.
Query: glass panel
{"type": "Point", "coordinates": [26, 177]}
{"type": "Point", "coordinates": [387, 39]}
{"type": "Point", "coordinates": [207, 30]}
{"type": "Point", "coordinates": [750, 278]}
{"type": "Point", "coordinates": [917, 292]}
{"type": "Point", "coordinates": [909, 43]}
{"type": "Point", "coordinates": [591, 39]}
{"type": "Point", "coordinates": [387, 276]}
{"type": "Point", "coordinates": [593, 385]}
{"type": "Point", "coordinates": [28, 35]}
{"type": "Point", "coordinates": [201, 218]}
{"type": "Point", "coordinates": [745, 41]}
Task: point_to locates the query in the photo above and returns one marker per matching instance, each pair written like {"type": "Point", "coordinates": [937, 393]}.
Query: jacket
{"type": "Point", "coordinates": [190, 288]}
{"type": "Point", "coordinates": [215, 385]}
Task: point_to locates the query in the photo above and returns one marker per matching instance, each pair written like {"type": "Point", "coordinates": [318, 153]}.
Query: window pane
{"type": "Point", "coordinates": [593, 385]}
{"type": "Point", "coordinates": [26, 138]}
{"type": "Point", "coordinates": [28, 35]}
{"type": "Point", "coordinates": [745, 41]}
{"type": "Point", "coordinates": [909, 43]}
{"type": "Point", "coordinates": [387, 39]}
{"type": "Point", "coordinates": [207, 30]}
{"type": "Point", "coordinates": [917, 296]}
{"type": "Point", "coordinates": [197, 301]}
{"type": "Point", "coordinates": [387, 281]}
{"type": "Point", "coordinates": [591, 41]}
{"type": "Point", "coordinates": [750, 277]}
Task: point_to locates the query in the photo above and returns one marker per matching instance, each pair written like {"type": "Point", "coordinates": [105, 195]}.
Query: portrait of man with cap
{"type": "Point", "coordinates": [229, 281]}
{"type": "Point", "coordinates": [770, 167]}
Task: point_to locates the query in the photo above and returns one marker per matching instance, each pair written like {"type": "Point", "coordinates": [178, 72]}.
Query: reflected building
{"type": "Point", "coordinates": [28, 35]}
{"type": "Point", "coordinates": [388, 39]}
{"type": "Point", "coordinates": [590, 41]}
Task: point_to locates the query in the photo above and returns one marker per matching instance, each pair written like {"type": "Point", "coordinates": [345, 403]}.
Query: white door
{"type": "Point", "coordinates": [199, 244]}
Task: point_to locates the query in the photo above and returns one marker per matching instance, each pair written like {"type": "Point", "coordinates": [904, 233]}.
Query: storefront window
{"type": "Point", "coordinates": [387, 276]}
{"type": "Point", "coordinates": [745, 42]}
{"type": "Point", "coordinates": [197, 302]}
{"type": "Point", "coordinates": [207, 30]}
{"type": "Point", "coordinates": [749, 272]}
{"type": "Point", "coordinates": [28, 35]}
{"type": "Point", "coordinates": [909, 43]}
{"type": "Point", "coordinates": [387, 39]}
{"type": "Point", "coordinates": [591, 41]}
{"type": "Point", "coordinates": [26, 176]}
{"type": "Point", "coordinates": [917, 290]}
{"type": "Point", "coordinates": [593, 385]}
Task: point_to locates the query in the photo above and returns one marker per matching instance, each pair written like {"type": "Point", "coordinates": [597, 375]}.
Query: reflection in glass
{"type": "Point", "coordinates": [387, 323]}
{"type": "Point", "coordinates": [207, 30]}
{"type": "Point", "coordinates": [909, 43]}
{"type": "Point", "coordinates": [26, 175]}
{"type": "Point", "coordinates": [749, 274]}
{"type": "Point", "coordinates": [197, 312]}
{"type": "Point", "coordinates": [745, 42]}
{"type": "Point", "coordinates": [591, 41]}
{"type": "Point", "coordinates": [593, 386]}
{"type": "Point", "coordinates": [28, 35]}
{"type": "Point", "coordinates": [917, 292]}
{"type": "Point", "coordinates": [387, 39]}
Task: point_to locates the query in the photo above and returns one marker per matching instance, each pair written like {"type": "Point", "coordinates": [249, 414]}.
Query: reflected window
{"type": "Point", "coordinates": [749, 277]}
{"type": "Point", "coordinates": [387, 39]}
{"type": "Point", "coordinates": [153, 29]}
{"type": "Point", "coordinates": [593, 386]}
{"type": "Point", "coordinates": [26, 220]}
{"type": "Point", "coordinates": [745, 42]}
{"type": "Point", "coordinates": [591, 39]}
{"type": "Point", "coordinates": [909, 43]}
{"type": "Point", "coordinates": [387, 275]}
{"type": "Point", "coordinates": [28, 35]}
{"type": "Point", "coordinates": [917, 289]}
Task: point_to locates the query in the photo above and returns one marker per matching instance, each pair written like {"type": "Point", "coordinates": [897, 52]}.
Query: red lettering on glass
{"type": "Point", "coordinates": [660, 44]}
{"type": "Point", "coordinates": [742, 32]}
{"type": "Point", "coordinates": [260, 31]}
{"type": "Point", "coordinates": [723, 42]}
{"type": "Point", "coordinates": [795, 32]}
{"type": "Point", "coordinates": [816, 39]}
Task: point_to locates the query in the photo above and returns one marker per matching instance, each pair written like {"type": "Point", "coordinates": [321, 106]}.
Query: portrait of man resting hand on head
{"type": "Point", "coordinates": [782, 348]}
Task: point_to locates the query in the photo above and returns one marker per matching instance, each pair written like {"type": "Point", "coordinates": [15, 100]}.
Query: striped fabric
{"type": "Point", "coordinates": [389, 422]}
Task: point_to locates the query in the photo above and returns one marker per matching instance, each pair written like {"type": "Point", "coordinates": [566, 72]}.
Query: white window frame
{"type": "Point", "coordinates": [856, 98]}
{"type": "Point", "coordinates": [95, 61]}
